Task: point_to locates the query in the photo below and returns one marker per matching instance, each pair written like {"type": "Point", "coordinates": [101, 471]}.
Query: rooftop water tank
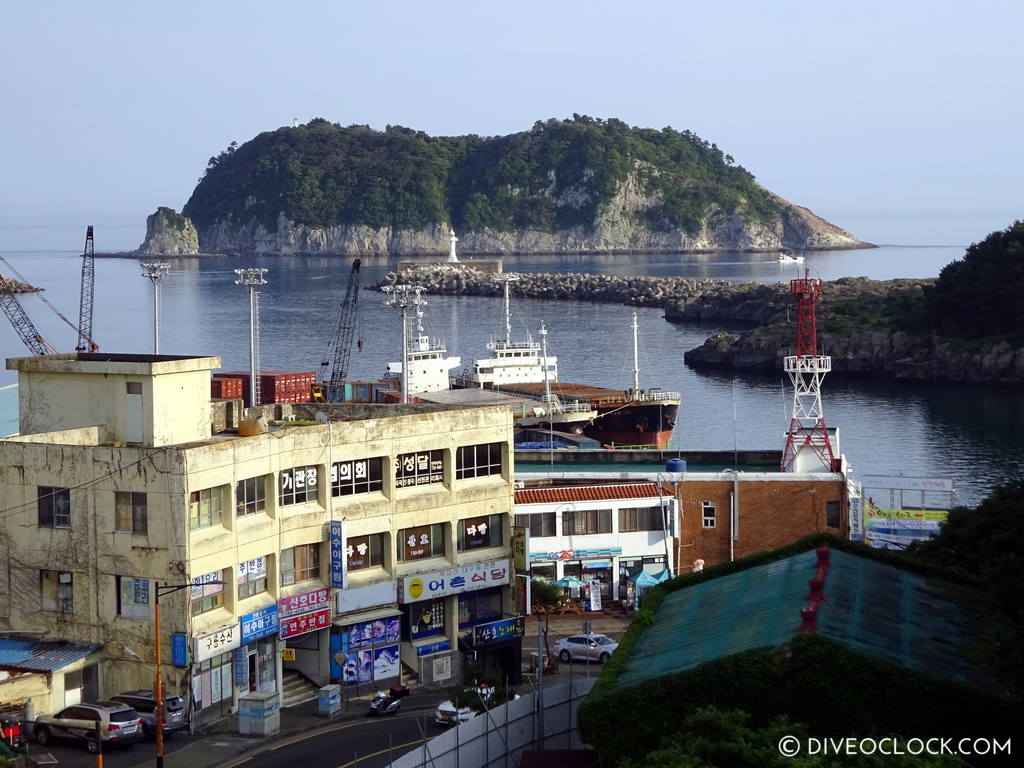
{"type": "Point", "coordinates": [675, 465]}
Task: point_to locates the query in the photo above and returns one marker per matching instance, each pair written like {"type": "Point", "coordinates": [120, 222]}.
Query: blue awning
{"type": "Point", "coordinates": [41, 655]}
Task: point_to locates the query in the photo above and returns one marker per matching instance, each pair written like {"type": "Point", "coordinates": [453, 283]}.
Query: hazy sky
{"type": "Point", "coordinates": [861, 111]}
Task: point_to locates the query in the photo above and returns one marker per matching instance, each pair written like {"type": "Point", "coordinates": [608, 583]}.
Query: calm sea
{"type": "Point", "coordinates": [972, 434]}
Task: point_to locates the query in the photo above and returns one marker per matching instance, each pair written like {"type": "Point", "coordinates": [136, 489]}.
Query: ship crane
{"type": "Point", "coordinates": [85, 341]}
{"type": "Point", "coordinates": [807, 369]}
{"type": "Point", "coordinates": [334, 368]}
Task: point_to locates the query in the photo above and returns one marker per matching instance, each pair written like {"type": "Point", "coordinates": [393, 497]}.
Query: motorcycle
{"type": "Point", "coordinates": [388, 703]}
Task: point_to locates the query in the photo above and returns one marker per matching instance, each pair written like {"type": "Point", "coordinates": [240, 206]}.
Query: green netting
{"type": "Point", "coordinates": [869, 606]}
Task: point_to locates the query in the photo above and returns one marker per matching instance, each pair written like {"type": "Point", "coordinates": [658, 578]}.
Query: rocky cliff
{"type": "Point", "coordinates": [565, 186]}
{"type": "Point", "coordinates": [168, 233]}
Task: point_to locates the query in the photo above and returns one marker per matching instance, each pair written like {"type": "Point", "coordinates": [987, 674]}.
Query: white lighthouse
{"type": "Point", "coordinates": [452, 239]}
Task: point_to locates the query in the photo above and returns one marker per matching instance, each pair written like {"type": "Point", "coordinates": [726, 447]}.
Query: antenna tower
{"type": "Point", "coordinates": [806, 371]}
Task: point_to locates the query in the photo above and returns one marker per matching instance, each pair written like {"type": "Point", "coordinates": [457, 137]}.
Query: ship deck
{"type": "Point", "coordinates": [569, 391]}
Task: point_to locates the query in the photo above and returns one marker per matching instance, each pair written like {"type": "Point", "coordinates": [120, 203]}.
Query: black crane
{"type": "Point", "coordinates": [85, 342]}
{"type": "Point", "coordinates": [24, 326]}
{"type": "Point", "coordinates": [331, 382]}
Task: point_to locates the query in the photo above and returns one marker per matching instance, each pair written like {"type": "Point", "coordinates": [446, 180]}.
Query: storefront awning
{"type": "Point", "coordinates": [361, 616]}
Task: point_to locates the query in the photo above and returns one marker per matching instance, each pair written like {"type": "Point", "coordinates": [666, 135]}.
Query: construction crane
{"type": "Point", "coordinates": [330, 386]}
{"type": "Point", "coordinates": [24, 326]}
{"type": "Point", "coordinates": [85, 342]}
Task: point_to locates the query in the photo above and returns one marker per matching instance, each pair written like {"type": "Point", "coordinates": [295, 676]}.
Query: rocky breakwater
{"type": "Point", "coordinates": [463, 280]}
{"type": "Point", "coordinates": [10, 285]}
{"type": "Point", "coordinates": [168, 233]}
{"type": "Point", "coordinates": [869, 327]}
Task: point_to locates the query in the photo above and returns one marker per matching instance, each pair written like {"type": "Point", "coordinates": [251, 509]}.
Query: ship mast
{"type": "Point", "coordinates": [544, 362]}
{"type": "Point", "coordinates": [636, 356]}
{"type": "Point", "coordinates": [506, 279]}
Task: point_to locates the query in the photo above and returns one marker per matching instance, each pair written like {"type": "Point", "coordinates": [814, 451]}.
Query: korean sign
{"type": "Point", "coordinates": [304, 613]}
{"type": "Point", "coordinates": [496, 631]}
{"type": "Point", "coordinates": [251, 570]}
{"type": "Point", "coordinates": [520, 545]}
{"type": "Point", "coordinates": [474, 531]}
{"type": "Point", "coordinates": [419, 469]}
{"type": "Point", "coordinates": [306, 622]}
{"type": "Point", "coordinates": [215, 643]}
{"type": "Point", "coordinates": [201, 586]}
{"type": "Point", "coordinates": [453, 581]}
{"type": "Point", "coordinates": [259, 624]}
{"type": "Point", "coordinates": [418, 542]}
{"type": "Point", "coordinates": [307, 601]}
{"type": "Point", "coordinates": [337, 554]}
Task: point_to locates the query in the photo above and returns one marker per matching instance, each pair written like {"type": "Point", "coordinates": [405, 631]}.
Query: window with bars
{"type": "Point", "coordinates": [479, 532]}
{"type": "Point", "coordinates": [205, 595]}
{"type": "Point", "coordinates": [633, 519]}
{"type": "Point", "coordinates": [297, 486]}
{"type": "Point", "coordinates": [423, 468]}
{"type": "Point", "coordinates": [582, 522]}
{"type": "Point", "coordinates": [707, 509]}
{"type": "Point", "coordinates": [478, 460]}
{"type": "Point", "coordinates": [252, 577]}
{"type": "Point", "coordinates": [130, 512]}
{"type": "Point", "coordinates": [205, 507]}
{"type": "Point", "coordinates": [57, 591]}
{"type": "Point", "coordinates": [54, 507]}
{"type": "Point", "coordinates": [421, 542]}
{"type": "Point", "coordinates": [251, 496]}
{"type": "Point", "coordinates": [358, 476]}
{"type": "Point", "coordinates": [540, 523]}
{"type": "Point", "coordinates": [301, 563]}
{"type": "Point", "coordinates": [364, 551]}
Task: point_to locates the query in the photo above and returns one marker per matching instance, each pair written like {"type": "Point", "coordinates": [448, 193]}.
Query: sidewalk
{"type": "Point", "coordinates": [222, 745]}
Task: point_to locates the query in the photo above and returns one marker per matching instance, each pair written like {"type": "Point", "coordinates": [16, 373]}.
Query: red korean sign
{"type": "Point", "coordinates": [304, 603]}
{"type": "Point", "coordinates": [305, 622]}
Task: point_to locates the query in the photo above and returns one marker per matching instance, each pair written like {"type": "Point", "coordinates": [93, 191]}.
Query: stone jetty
{"type": "Point", "coordinates": [10, 285]}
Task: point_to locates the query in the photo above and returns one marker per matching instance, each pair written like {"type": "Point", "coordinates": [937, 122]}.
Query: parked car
{"type": "Point", "coordinates": [447, 713]}
{"type": "Point", "coordinates": [593, 647]}
{"type": "Point", "coordinates": [119, 725]}
{"type": "Point", "coordinates": [143, 702]}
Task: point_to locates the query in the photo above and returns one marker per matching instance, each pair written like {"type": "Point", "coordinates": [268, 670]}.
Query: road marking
{"type": "Point", "coordinates": [238, 762]}
{"type": "Point", "coordinates": [340, 727]}
{"type": "Point", "coordinates": [360, 759]}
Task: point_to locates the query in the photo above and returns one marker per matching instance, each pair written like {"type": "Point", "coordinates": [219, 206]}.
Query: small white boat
{"type": "Point", "coordinates": [785, 258]}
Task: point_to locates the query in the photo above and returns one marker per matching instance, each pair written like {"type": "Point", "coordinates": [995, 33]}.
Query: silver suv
{"type": "Point", "coordinates": [144, 703]}
{"type": "Point", "coordinates": [119, 725]}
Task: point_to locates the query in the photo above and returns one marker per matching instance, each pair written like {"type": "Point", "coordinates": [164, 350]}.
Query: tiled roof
{"type": "Point", "coordinates": [587, 493]}
{"type": "Point", "coordinates": [41, 655]}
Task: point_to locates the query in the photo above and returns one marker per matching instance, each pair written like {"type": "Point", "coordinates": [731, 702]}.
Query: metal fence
{"type": "Point", "coordinates": [496, 738]}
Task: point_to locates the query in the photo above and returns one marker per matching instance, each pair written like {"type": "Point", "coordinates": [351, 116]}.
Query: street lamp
{"type": "Point", "coordinates": [155, 272]}
{"type": "Point", "coordinates": [158, 686]}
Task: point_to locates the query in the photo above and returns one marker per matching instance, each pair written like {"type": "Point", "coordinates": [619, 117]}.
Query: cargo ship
{"type": "Point", "coordinates": [615, 417]}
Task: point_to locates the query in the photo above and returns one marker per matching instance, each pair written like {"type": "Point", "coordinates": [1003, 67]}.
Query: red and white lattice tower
{"type": "Point", "coordinates": [806, 370]}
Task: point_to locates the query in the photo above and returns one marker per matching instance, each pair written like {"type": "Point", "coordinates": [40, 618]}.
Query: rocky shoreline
{"type": "Point", "coordinates": [852, 317]}
{"type": "Point", "coordinates": [10, 285]}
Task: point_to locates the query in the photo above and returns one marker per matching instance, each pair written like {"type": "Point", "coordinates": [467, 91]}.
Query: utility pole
{"type": "Point", "coordinates": [155, 272]}
{"type": "Point", "coordinates": [252, 278]}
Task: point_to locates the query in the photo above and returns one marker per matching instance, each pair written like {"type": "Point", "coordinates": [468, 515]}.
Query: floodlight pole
{"type": "Point", "coordinates": [252, 277]}
{"type": "Point", "coordinates": [155, 272]}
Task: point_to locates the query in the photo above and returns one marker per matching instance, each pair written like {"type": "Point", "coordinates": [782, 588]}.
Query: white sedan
{"type": "Point", "coordinates": [593, 647]}
{"type": "Point", "coordinates": [447, 713]}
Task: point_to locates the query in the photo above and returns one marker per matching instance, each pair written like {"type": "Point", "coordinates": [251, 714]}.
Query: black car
{"type": "Point", "coordinates": [117, 724]}
{"type": "Point", "coordinates": [143, 702]}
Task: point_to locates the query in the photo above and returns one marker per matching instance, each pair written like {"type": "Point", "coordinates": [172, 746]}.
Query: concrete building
{"type": "Point", "coordinates": [339, 550]}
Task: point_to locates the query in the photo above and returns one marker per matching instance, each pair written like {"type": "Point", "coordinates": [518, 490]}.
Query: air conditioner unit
{"type": "Point", "coordinates": [518, 484]}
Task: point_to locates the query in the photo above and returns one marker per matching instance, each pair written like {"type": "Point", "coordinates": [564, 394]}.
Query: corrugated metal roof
{"type": "Point", "coordinates": [587, 493]}
{"type": "Point", "coordinates": [41, 655]}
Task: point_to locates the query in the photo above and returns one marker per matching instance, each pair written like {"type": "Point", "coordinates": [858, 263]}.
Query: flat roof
{"type": "Point", "coordinates": [117, 363]}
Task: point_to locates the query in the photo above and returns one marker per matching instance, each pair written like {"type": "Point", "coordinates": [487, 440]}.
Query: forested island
{"type": "Point", "coordinates": [582, 185]}
{"type": "Point", "coordinates": [964, 326]}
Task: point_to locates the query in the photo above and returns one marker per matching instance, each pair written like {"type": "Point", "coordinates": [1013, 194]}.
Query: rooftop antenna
{"type": "Point", "coordinates": [806, 370]}
{"type": "Point", "coordinates": [155, 271]}
{"type": "Point", "coordinates": [252, 278]}
{"type": "Point", "coordinates": [401, 297]}
{"type": "Point", "coordinates": [452, 240]}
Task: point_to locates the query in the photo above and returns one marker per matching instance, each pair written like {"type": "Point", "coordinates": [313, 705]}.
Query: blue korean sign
{"type": "Point", "coordinates": [441, 645]}
{"type": "Point", "coordinates": [179, 649]}
{"type": "Point", "coordinates": [337, 554]}
{"type": "Point", "coordinates": [242, 668]}
{"type": "Point", "coordinates": [259, 624]}
{"type": "Point", "coordinates": [496, 631]}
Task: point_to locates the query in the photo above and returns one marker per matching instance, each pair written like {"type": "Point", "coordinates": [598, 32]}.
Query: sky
{"type": "Point", "coordinates": [900, 121]}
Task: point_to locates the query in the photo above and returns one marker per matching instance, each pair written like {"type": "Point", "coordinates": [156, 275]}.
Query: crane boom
{"type": "Point", "coordinates": [23, 325]}
{"type": "Point", "coordinates": [331, 384]}
{"type": "Point", "coordinates": [85, 342]}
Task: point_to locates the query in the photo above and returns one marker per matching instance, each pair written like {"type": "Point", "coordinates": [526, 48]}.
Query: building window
{"type": "Point", "coordinates": [581, 522]}
{"type": "Point", "coordinates": [423, 619]}
{"type": "Point", "coordinates": [832, 514]}
{"type": "Point", "coordinates": [640, 519]}
{"type": "Point", "coordinates": [300, 563]}
{"type": "Point", "coordinates": [298, 485]}
{"type": "Point", "coordinates": [478, 460]}
{"type": "Point", "coordinates": [708, 513]}
{"type": "Point", "coordinates": [419, 469]}
{"type": "Point", "coordinates": [360, 476]}
{"type": "Point", "coordinates": [420, 542]}
{"type": "Point", "coordinates": [479, 532]}
{"type": "Point", "coordinates": [54, 507]}
{"type": "Point", "coordinates": [540, 523]}
{"type": "Point", "coordinates": [252, 577]}
{"type": "Point", "coordinates": [132, 597]}
{"type": "Point", "coordinates": [204, 508]}
{"type": "Point", "coordinates": [207, 596]}
{"type": "Point", "coordinates": [130, 512]}
{"type": "Point", "coordinates": [479, 607]}
{"type": "Point", "coordinates": [364, 551]}
{"type": "Point", "coordinates": [57, 590]}
{"type": "Point", "coordinates": [251, 496]}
